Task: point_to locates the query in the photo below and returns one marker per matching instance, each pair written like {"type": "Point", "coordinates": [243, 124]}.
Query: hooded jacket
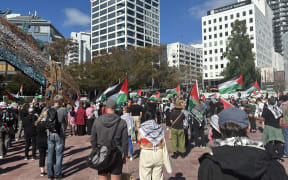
{"type": "Point", "coordinates": [239, 162]}
{"type": "Point", "coordinates": [103, 129]}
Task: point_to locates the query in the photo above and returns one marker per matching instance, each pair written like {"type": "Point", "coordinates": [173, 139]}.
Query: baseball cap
{"type": "Point", "coordinates": [234, 115]}
{"type": "Point", "coordinates": [111, 103]}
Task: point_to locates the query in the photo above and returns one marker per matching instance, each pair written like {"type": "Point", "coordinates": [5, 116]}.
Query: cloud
{"type": "Point", "coordinates": [200, 10]}
{"type": "Point", "coordinates": [74, 17]}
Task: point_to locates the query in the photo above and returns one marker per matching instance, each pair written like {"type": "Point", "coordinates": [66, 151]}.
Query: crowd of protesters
{"type": "Point", "coordinates": [208, 124]}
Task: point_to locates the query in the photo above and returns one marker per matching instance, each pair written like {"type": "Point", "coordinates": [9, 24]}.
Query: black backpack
{"type": "Point", "coordinates": [7, 118]}
{"type": "Point", "coordinates": [52, 123]}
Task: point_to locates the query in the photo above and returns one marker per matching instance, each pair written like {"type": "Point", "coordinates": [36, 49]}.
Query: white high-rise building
{"type": "Point", "coordinates": [187, 57]}
{"type": "Point", "coordinates": [124, 24]}
{"type": "Point", "coordinates": [217, 27]}
{"type": "Point", "coordinates": [80, 50]}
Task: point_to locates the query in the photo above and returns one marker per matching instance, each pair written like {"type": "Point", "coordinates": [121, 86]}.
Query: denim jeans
{"type": "Point", "coordinates": [57, 143]}
{"type": "Point", "coordinates": [130, 145]}
{"type": "Point", "coordinates": [285, 134]}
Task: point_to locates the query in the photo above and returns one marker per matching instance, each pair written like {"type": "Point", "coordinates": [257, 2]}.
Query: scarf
{"type": "Point", "coordinates": [215, 122]}
{"type": "Point", "coordinates": [129, 120]}
{"type": "Point", "coordinates": [239, 141]}
{"type": "Point", "coordinates": [152, 131]}
{"type": "Point", "coordinates": [276, 111]}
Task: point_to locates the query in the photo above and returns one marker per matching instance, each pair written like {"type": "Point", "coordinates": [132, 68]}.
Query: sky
{"type": "Point", "coordinates": [180, 20]}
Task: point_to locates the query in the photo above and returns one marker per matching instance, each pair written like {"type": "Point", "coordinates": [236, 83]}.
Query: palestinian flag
{"type": "Point", "coordinates": [231, 85]}
{"type": "Point", "coordinates": [154, 97]}
{"type": "Point", "coordinates": [108, 92]}
{"type": "Point", "coordinates": [21, 90]}
{"type": "Point", "coordinates": [14, 97]}
{"type": "Point", "coordinates": [123, 93]}
{"type": "Point", "coordinates": [253, 89]}
{"type": "Point", "coordinates": [225, 103]}
{"type": "Point", "coordinates": [203, 97]}
{"type": "Point", "coordinates": [194, 95]}
{"type": "Point", "coordinates": [176, 91]}
{"type": "Point", "coordinates": [136, 94]}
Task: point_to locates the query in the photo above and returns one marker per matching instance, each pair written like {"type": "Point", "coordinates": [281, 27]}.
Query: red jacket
{"type": "Point", "coordinates": [80, 116]}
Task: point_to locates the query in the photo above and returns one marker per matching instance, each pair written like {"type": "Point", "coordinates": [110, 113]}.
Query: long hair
{"type": "Point", "coordinates": [42, 115]}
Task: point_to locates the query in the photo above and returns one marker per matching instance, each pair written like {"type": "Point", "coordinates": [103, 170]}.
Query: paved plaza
{"type": "Point", "coordinates": [14, 167]}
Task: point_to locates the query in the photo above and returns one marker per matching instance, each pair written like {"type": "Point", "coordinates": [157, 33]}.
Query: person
{"type": "Point", "coordinates": [177, 131]}
{"type": "Point", "coordinates": [272, 137]}
{"type": "Point", "coordinates": [198, 124]}
{"type": "Point", "coordinates": [235, 156]}
{"type": "Point", "coordinates": [23, 113]}
{"type": "Point", "coordinates": [80, 121]}
{"type": "Point", "coordinates": [152, 143]}
{"type": "Point", "coordinates": [56, 138]}
{"type": "Point", "coordinates": [101, 134]}
{"type": "Point", "coordinates": [6, 123]}
{"type": "Point", "coordinates": [41, 140]}
{"type": "Point", "coordinates": [71, 120]}
{"type": "Point", "coordinates": [284, 123]}
{"type": "Point", "coordinates": [130, 127]}
{"type": "Point", "coordinates": [251, 109]}
{"type": "Point", "coordinates": [90, 117]}
{"type": "Point", "coordinates": [136, 112]}
{"type": "Point", "coordinates": [30, 133]}
{"type": "Point", "coordinates": [215, 131]}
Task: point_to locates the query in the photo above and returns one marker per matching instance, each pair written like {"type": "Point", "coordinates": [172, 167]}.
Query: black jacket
{"type": "Point", "coordinates": [174, 114]}
{"type": "Point", "coordinates": [28, 125]}
{"type": "Point", "coordinates": [102, 132]}
{"type": "Point", "coordinates": [241, 162]}
{"type": "Point", "coordinates": [41, 137]}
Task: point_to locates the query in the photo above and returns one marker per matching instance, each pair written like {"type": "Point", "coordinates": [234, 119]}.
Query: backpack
{"type": "Point", "coordinates": [52, 123]}
{"type": "Point", "coordinates": [104, 156]}
{"type": "Point", "coordinates": [7, 118]}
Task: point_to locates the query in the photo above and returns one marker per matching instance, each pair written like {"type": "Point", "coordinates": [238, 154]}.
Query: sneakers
{"type": "Point", "coordinates": [182, 155]}
{"type": "Point", "coordinates": [174, 156]}
{"type": "Point", "coordinates": [1, 157]}
{"type": "Point", "coordinates": [285, 156]}
{"type": "Point", "coordinates": [26, 158]}
{"type": "Point", "coordinates": [42, 174]}
{"type": "Point", "coordinates": [131, 158]}
{"type": "Point", "coordinates": [50, 177]}
{"type": "Point", "coordinates": [33, 158]}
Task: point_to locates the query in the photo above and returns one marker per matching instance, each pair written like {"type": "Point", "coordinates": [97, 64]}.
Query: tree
{"type": "Point", "coordinates": [240, 56]}
{"type": "Point", "coordinates": [59, 49]}
{"type": "Point", "coordinates": [30, 87]}
{"type": "Point", "coordinates": [138, 65]}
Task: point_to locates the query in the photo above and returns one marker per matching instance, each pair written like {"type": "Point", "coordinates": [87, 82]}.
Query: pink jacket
{"type": "Point", "coordinates": [90, 112]}
{"type": "Point", "coordinates": [71, 119]}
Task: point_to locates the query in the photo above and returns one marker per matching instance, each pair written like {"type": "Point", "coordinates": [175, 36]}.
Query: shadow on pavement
{"type": "Point", "coordinates": [8, 169]}
{"type": "Point", "coordinates": [74, 166]}
{"type": "Point", "coordinates": [76, 151]}
{"type": "Point", "coordinates": [12, 159]}
{"type": "Point", "coordinates": [178, 176]}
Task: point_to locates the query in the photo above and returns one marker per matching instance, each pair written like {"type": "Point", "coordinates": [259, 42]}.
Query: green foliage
{"type": "Point", "coordinates": [136, 64]}
{"type": "Point", "coordinates": [59, 49]}
{"type": "Point", "coordinates": [30, 87]}
{"type": "Point", "coordinates": [240, 56]}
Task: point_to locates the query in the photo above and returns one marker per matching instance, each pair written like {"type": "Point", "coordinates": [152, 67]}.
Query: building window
{"type": "Point", "coordinates": [111, 43]}
{"type": "Point", "coordinates": [204, 37]}
{"type": "Point", "coordinates": [251, 20]}
{"type": "Point", "coordinates": [226, 18]}
{"type": "Point", "coordinates": [36, 29]}
{"type": "Point", "coordinates": [210, 59]}
{"type": "Point", "coordinates": [216, 66]}
{"type": "Point", "coordinates": [210, 36]}
{"type": "Point", "coordinates": [251, 11]}
{"type": "Point", "coordinates": [226, 33]}
{"type": "Point", "coordinates": [221, 50]}
{"type": "Point", "coordinates": [215, 35]}
{"type": "Point", "coordinates": [226, 25]}
{"type": "Point", "coordinates": [214, 20]}
{"type": "Point", "coordinates": [244, 13]}
{"type": "Point", "coordinates": [111, 29]}
{"type": "Point", "coordinates": [122, 40]}
{"type": "Point", "coordinates": [103, 45]}
{"type": "Point", "coordinates": [231, 16]}
{"type": "Point", "coordinates": [251, 28]}
{"type": "Point", "coordinates": [205, 52]}
{"type": "Point", "coordinates": [209, 21]}
{"type": "Point", "coordinates": [231, 24]}
{"type": "Point", "coordinates": [220, 34]}
{"type": "Point", "coordinates": [204, 23]}
{"type": "Point", "coordinates": [220, 27]}
{"type": "Point", "coordinates": [215, 28]}
{"type": "Point", "coordinates": [210, 51]}
{"type": "Point", "coordinates": [211, 67]}
{"type": "Point", "coordinates": [215, 51]}
{"type": "Point", "coordinates": [111, 36]}
{"type": "Point", "coordinates": [205, 59]}
{"type": "Point", "coordinates": [222, 66]}
{"type": "Point", "coordinates": [238, 15]}
{"type": "Point", "coordinates": [204, 30]}
{"type": "Point", "coordinates": [206, 75]}
{"type": "Point", "coordinates": [104, 31]}
{"type": "Point", "coordinates": [130, 33]}
{"type": "Point", "coordinates": [209, 29]}
{"type": "Point", "coordinates": [220, 19]}
{"type": "Point", "coordinates": [221, 42]}
{"type": "Point", "coordinates": [103, 38]}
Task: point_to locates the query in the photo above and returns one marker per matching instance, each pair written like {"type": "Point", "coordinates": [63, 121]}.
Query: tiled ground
{"type": "Point", "coordinates": [74, 165]}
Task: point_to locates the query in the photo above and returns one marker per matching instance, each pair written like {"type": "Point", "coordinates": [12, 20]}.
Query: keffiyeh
{"type": "Point", "coordinates": [276, 111]}
{"type": "Point", "coordinates": [239, 141]}
{"type": "Point", "coordinates": [152, 131]}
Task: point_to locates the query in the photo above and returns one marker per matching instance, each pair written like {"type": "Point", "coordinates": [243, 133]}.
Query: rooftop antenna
{"type": "Point", "coordinates": [35, 13]}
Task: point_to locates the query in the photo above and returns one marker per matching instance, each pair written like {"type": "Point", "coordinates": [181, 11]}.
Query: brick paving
{"type": "Point", "coordinates": [14, 167]}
